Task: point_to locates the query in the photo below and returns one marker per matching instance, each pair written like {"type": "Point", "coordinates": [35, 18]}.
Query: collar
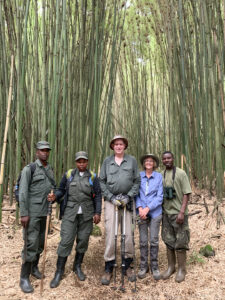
{"type": "Point", "coordinates": [113, 162]}
{"type": "Point", "coordinates": [38, 162]}
{"type": "Point", "coordinates": [143, 174]}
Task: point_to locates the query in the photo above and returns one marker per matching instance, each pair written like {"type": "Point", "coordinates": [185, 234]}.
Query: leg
{"type": "Point", "coordinates": [34, 270]}
{"type": "Point", "coordinates": [32, 249]}
{"type": "Point", "coordinates": [68, 232]}
{"type": "Point", "coordinates": [84, 230]}
{"type": "Point", "coordinates": [183, 238]}
{"type": "Point", "coordinates": [154, 245]}
{"type": "Point", "coordinates": [109, 254]}
{"type": "Point", "coordinates": [129, 247]}
{"type": "Point", "coordinates": [168, 236]}
{"type": "Point", "coordinates": [143, 241]}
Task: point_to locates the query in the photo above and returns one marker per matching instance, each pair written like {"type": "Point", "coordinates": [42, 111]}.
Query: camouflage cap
{"type": "Point", "coordinates": [81, 154]}
{"type": "Point", "coordinates": [43, 145]}
{"type": "Point", "coordinates": [118, 137]}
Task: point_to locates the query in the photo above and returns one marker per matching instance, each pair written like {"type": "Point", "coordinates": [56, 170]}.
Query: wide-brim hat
{"type": "Point", "coordinates": [43, 145]}
{"type": "Point", "coordinates": [118, 137]}
{"type": "Point", "coordinates": [153, 156]}
{"type": "Point", "coordinates": [81, 154]}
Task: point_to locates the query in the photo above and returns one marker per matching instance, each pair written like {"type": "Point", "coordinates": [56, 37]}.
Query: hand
{"type": "Point", "coordinates": [51, 197]}
{"type": "Point", "coordinates": [25, 221]}
{"type": "Point", "coordinates": [180, 218]}
{"type": "Point", "coordinates": [115, 201]}
{"type": "Point", "coordinates": [141, 213]}
{"type": "Point", "coordinates": [124, 199]}
{"type": "Point", "coordinates": [96, 219]}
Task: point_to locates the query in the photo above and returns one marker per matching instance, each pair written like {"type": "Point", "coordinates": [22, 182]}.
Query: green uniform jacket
{"type": "Point", "coordinates": [182, 187]}
{"type": "Point", "coordinates": [116, 179]}
{"type": "Point", "coordinates": [33, 192]}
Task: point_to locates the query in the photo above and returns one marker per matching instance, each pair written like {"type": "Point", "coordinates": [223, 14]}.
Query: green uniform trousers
{"type": "Point", "coordinates": [35, 238]}
{"type": "Point", "coordinates": [79, 229]}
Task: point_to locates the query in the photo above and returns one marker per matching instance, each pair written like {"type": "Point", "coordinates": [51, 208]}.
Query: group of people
{"type": "Point", "coordinates": [129, 195]}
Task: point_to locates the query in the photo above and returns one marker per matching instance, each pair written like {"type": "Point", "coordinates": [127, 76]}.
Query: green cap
{"type": "Point", "coordinates": [81, 154]}
{"type": "Point", "coordinates": [43, 145]}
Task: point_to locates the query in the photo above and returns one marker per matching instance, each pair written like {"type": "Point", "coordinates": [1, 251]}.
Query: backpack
{"type": "Point", "coordinates": [16, 188]}
{"type": "Point", "coordinates": [70, 175]}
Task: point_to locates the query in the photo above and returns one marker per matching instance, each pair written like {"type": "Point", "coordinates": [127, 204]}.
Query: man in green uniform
{"type": "Point", "coordinates": [175, 230]}
{"type": "Point", "coordinates": [119, 179]}
{"type": "Point", "coordinates": [33, 193]}
{"type": "Point", "coordinates": [80, 208]}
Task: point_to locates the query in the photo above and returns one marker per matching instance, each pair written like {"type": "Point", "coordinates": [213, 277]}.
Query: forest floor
{"type": "Point", "coordinates": [204, 280]}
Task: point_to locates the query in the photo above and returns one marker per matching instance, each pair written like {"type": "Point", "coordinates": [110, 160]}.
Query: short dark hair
{"type": "Point", "coordinates": [168, 152]}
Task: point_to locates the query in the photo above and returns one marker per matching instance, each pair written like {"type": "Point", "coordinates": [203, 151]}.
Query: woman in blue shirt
{"type": "Point", "coordinates": [149, 207]}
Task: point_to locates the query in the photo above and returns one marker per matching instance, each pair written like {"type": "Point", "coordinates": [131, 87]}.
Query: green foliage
{"type": "Point", "coordinates": [96, 230]}
{"type": "Point", "coordinates": [195, 258]}
{"type": "Point", "coordinates": [207, 251]}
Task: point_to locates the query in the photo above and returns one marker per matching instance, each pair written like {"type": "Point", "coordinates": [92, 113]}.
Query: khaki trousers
{"type": "Point", "coordinates": [110, 231]}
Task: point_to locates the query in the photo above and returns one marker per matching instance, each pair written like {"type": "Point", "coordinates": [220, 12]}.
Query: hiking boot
{"type": "Point", "coordinates": [171, 264]}
{"type": "Point", "coordinates": [106, 278]}
{"type": "Point", "coordinates": [59, 271]}
{"type": "Point", "coordinates": [25, 284]}
{"type": "Point", "coordinates": [130, 274]}
{"type": "Point", "coordinates": [77, 266]}
{"type": "Point", "coordinates": [181, 260]}
{"type": "Point", "coordinates": [142, 273]}
{"type": "Point", "coordinates": [34, 268]}
{"type": "Point", "coordinates": [156, 274]}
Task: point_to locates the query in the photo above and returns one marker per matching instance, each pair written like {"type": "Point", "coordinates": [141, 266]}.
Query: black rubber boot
{"type": "Point", "coordinates": [77, 266]}
{"type": "Point", "coordinates": [181, 260]}
{"type": "Point", "coordinates": [171, 264]}
{"type": "Point", "coordinates": [109, 265]}
{"type": "Point", "coordinates": [25, 284]}
{"type": "Point", "coordinates": [154, 262]}
{"type": "Point", "coordinates": [34, 268]}
{"type": "Point", "coordinates": [59, 271]}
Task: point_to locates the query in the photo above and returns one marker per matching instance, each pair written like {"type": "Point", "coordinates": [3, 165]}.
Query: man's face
{"type": "Point", "coordinates": [82, 164]}
{"type": "Point", "coordinates": [119, 146]}
{"type": "Point", "coordinates": [167, 160]}
{"type": "Point", "coordinates": [43, 154]}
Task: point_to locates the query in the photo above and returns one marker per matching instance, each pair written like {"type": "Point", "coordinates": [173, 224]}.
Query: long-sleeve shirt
{"type": "Point", "coordinates": [151, 193]}
{"type": "Point", "coordinates": [119, 179]}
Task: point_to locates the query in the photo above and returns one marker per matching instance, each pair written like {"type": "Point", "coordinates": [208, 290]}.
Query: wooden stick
{"type": "Point", "coordinates": [7, 121]}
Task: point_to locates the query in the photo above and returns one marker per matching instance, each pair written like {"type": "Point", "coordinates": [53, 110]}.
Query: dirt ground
{"type": "Point", "coordinates": [204, 280]}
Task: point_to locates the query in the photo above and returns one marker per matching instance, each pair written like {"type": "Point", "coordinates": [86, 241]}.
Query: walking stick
{"type": "Point", "coordinates": [123, 235]}
{"type": "Point", "coordinates": [45, 245]}
{"type": "Point", "coordinates": [134, 256]}
{"type": "Point", "coordinates": [116, 234]}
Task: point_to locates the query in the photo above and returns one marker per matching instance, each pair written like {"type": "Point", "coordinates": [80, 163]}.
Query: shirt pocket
{"type": "Point", "coordinates": [38, 184]}
{"type": "Point", "coordinates": [128, 172]}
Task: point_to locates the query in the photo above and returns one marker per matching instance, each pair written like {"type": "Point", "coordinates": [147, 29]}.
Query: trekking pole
{"type": "Point", "coordinates": [116, 234]}
{"type": "Point", "coordinates": [134, 256]}
{"type": "Point", "coordinates": [123, 235]}
{"type": "Point", "coordinates": [45, 245]}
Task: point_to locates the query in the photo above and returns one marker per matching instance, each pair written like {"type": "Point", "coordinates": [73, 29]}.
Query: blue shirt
{"type": "Point", "coordinates": [151, 193]}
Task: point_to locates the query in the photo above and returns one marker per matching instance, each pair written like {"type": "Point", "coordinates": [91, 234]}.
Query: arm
{"type": "Point", "coordinates": [60, 192]}
{"type": "Point", "coordinates": [23, 196]}
{"type": "Point", "coordinates": [137, 180]}
{"type": "Point", "coordinates": [158, 199]}
{"type": "Point", "coordinates": [103, 179]}
{"type": "Point", "coordinates": [180, 216]}
{"type": "Point", "coordinates": [98, 196]}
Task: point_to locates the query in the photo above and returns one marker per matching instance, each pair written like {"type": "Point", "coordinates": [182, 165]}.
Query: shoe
{"type": "Point", "coordinates": [25, 284]}
{"type": "Point", "coordinates": [77, 266]}
{"type": "Point", "coordinates": [34, 268]}
{"type": "Point", "coordinates": [156, 274]}
{"type": "Point", "coordinates": [59, 272]}
{"type": "Point", "coordinates": [142, 273]}
{"type": "Point", "coordinates": [181, 260]}
{"type": "Point", "coordinates": [171, 264]}
{"type": "Point", "coordinates": [106, 278]}
{"type": "Point", "coordinates": [130, 274]}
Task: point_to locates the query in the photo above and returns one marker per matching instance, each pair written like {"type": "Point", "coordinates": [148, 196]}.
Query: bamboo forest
{"type": "Point", "coordinates": [76, 73]}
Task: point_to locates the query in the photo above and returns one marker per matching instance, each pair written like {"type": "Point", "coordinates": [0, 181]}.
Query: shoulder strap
{"type": "Point", "coordinates": [70, 174]}
{"type": "Point", "coordinates": [173, 176]}
{"type": "Point", "coordinates": [91, 178]}
{"type": "Point", "coordinates": [32, 168]}
{"type": "Point", "coordinates": [50, 179]}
